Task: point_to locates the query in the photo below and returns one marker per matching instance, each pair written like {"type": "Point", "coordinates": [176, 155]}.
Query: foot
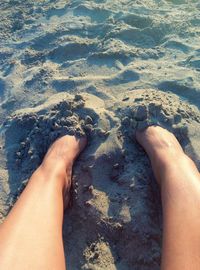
{"type": "Point", "coordinates": [161, 146]}
{"type": "Point", "coordinates": [59, 160]}
{"type": "Point", "coordinates": [155, 138]}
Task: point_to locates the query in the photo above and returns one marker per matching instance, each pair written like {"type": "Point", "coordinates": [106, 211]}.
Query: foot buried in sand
{"type": "Point", "coordinates": [155, 139]}
{"type": "Point", "coordinates": [59, 160]}
{"type": "Point", "coordinates": [160, 145]}
{"type": "Point", "coordinates": [161, 122]}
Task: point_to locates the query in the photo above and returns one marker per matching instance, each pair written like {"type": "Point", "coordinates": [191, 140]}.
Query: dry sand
{"type": "Point", "coordinates": [103, 68]}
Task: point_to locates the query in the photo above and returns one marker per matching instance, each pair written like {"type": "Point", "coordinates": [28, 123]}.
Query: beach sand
{"type": "Point", "coordinates": [101, 68]}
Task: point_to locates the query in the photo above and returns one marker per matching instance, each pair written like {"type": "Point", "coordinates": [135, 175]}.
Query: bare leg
{"type": "Point", "coordinates": [179, 181]}
{"type": "Point", "coordinates": [31, 235]}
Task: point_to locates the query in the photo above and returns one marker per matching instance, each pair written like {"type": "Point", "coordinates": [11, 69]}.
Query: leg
{"type": "Point", "coordinates": [179, 181]}
{"type": "Point", "coordinates": [31, 235]}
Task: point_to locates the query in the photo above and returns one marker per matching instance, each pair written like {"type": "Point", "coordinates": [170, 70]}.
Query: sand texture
{"type": "Point", "coordinates": [100, 68]}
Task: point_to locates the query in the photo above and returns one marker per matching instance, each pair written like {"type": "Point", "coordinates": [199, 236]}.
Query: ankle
{"type": "Point", "coordinates": [166, 154]}
{"type": "Point", "coordinates": [183, 188]}
{"type": "Point", "coordinates": [169, 165]}
{"type": "Point", "coordinates": [55, 176]}
{"type": "Point", "coordinates": [159, 143]}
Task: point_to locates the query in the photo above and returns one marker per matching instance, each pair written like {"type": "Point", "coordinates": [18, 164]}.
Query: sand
{"type": "Point", "coordinates": [104, 69]}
